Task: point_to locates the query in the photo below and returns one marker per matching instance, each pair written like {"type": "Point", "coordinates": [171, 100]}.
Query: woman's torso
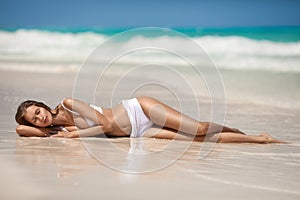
{"type": "Point", "coordinates": [117, 115]}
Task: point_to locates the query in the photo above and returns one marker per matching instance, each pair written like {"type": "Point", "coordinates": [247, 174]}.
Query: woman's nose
{"type": "Point", "coordinates": [40, 118]}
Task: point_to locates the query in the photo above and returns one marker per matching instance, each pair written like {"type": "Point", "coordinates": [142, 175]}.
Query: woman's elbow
{"type": "Point", "coordinates": [108, 127]}
{"type": "Point", "coordinates": [20, 129]}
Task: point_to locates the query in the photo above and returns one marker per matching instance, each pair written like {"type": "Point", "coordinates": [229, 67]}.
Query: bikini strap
{"type": "Point", "coordinates": [98, 108]}
{"type": "Point", "coordinates": [73, 112]}
{"type": "Point", "coordinates": [63, 128]}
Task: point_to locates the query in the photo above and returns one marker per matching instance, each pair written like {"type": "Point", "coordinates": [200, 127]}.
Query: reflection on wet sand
{"type": "Point", "coordinates": [136, 155]}
{"type": "Point", "coordinates": [70, 167]}
{"type": "Point", "coordinates": [66, 157]}
{"type": "Point", "coordinates": [70, 157]}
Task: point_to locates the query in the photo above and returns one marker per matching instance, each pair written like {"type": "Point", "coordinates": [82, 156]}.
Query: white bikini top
{"type": "Point", "coordinates": [90, 122]}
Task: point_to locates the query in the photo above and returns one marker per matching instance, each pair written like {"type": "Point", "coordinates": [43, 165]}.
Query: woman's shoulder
{"type": "Point", "coordinates": [67, 101]}
{"type": "Point", "coordinates": [67, 104]}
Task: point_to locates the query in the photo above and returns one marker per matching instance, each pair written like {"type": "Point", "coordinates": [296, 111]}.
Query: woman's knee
{"type": "Point", "coordinates": [213, 137]}
{"type": "Point", "coordinates": [202, 128]}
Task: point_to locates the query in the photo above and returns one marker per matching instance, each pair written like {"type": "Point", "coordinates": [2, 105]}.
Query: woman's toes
{"type": "Point", "coordinates": [270, 139]}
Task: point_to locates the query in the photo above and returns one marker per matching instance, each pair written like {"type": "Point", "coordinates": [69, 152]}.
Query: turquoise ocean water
{"type": "Point", "coordinates": [275, 34]}
{"type": "Point", "coordinates": [262, 48]}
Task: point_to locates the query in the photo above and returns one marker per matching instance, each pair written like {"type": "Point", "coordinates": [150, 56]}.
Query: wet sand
{"type": "Point", "coordinates": [96, 168]}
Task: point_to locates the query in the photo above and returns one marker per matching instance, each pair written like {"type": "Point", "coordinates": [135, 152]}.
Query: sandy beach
{"type": "Point", "coordinates": [94, 168]}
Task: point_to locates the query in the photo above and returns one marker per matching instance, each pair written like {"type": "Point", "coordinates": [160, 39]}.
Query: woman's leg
{"type": "Point", "coordinates": [224, 137]}
{"type": "Point", "coordinates": [167, 133]}
{"type": "Point", "coordinates": [227, 137]}
{"type": "Point", "coordinates": [165, 116]}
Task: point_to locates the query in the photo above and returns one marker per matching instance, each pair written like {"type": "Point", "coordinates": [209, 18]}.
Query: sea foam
{"type": "Point", "coordinates": [226, 52]}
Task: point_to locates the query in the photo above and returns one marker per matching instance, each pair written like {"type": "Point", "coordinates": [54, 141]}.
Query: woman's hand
{"type": "Point", "coordinates": [64, 134]}
{"type": "Point", "coordinates": [53, 130]}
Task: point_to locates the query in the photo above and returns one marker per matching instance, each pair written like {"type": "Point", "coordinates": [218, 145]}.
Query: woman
{"type": "Point", "coordinates": [137, 117]}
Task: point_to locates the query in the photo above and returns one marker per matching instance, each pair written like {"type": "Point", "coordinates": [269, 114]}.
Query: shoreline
{"type": "Point", "coordinates": [252, 92]}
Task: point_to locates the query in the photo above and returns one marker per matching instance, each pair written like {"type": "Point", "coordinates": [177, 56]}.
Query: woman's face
{"type": "Point", "coordinates": [38, 116]}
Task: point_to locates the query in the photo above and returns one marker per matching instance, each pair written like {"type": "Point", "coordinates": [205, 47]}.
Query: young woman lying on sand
{"type": "Point", "coordinates": [132, 118]}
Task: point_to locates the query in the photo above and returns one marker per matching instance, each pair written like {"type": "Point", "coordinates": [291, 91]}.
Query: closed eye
{"type": "Point", "coordinates": [37, 111]}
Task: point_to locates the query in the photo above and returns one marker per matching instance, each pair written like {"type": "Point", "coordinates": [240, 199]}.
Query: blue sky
{"type": "Point", "coordinates": [137, 13]}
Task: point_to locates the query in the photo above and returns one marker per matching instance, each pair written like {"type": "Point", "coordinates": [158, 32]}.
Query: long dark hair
{"type": "Point", "coordinates": [21, 111]}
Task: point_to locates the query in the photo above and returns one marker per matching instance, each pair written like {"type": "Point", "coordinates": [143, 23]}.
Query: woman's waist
{"type": "Point", "coordinates": [119, 119]}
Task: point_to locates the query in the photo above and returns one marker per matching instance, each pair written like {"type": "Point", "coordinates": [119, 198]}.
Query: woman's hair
{"type": "Point", "coordinates": [21, 111]}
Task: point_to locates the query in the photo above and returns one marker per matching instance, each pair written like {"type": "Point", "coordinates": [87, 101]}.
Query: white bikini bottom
{"type": "Point", "coordinates": [140, 123]}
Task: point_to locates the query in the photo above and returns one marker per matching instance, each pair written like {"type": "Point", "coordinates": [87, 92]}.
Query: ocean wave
{"type": "Point", "coordinates": [228, 52]}
{"type": "Point", "coordinates": [42, 45]}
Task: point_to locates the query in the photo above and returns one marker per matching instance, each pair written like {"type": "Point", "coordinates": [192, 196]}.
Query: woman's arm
{"type": "Point", "coordinates": [29, 131]}
{"type": "Point", "coordinates": [91, 131]}
{"type": "Point", "coordinates": [103, 125]}
{"type": "Point", "coordinates": [71, 128]}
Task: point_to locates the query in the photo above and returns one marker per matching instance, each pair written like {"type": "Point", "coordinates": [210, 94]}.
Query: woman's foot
{"type": "Point", "coordinates": [269, 139]}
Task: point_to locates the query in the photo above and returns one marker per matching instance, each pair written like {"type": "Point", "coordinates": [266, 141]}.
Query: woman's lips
{"type": "Point", "coordinates": [45, 120]}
